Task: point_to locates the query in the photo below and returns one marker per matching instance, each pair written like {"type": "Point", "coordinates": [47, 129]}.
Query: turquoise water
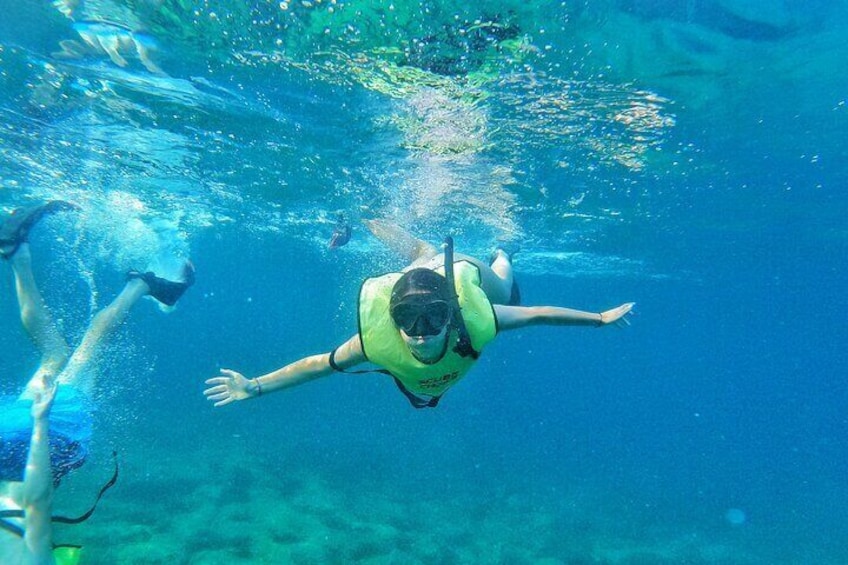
{"type": "Point", "coordinates": [688, 156]}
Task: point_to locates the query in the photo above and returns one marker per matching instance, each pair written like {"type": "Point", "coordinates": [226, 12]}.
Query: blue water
{"type": "Point", "coordinates": [685, 156]}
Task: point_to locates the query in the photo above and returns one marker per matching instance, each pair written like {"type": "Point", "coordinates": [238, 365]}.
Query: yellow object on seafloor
{"type": "Point", "coordinates": [67, 554]}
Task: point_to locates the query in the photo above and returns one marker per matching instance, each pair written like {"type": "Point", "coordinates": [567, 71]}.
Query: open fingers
{"type": "Point", "coordinates": [625, 311]}
{"type": "Point", "coordinates": [216, 390]}
{"type": "Point", "coordinates": [218, 380]}
{"type": "Point", "coordinates": [218, 397]}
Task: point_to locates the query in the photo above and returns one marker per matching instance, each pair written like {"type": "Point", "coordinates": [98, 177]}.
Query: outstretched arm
{"type": "Point", "coordinates": [512, 317]}
{"type": "Point", "coordinates": [230, 386]}
{"type": "Point", "coordinates": [37, 494]}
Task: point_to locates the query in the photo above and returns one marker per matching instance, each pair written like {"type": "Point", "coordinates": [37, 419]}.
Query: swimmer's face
{"type": "Point", "coordinates": [426, 348]}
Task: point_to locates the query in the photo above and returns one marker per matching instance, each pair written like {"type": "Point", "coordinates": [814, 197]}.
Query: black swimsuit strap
{"type": "Point", "coordinates": [103, 489]}
{"type": "Point", "coordinates": [16, 530]}
{"type": "Point", "coordinates": [336, 367]}
{"type": "Point", "coordinates": [416, 401]}
{"type": "Point", "coordinates": [19, 513]}
{"type": "Point", "coordinates": [9, 526]}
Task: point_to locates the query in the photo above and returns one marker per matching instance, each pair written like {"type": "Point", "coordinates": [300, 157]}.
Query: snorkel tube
{"type": "Point", "coordinates": [463, 347]}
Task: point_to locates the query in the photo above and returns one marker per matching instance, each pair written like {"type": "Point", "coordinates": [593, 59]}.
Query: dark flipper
{"type": "Point", "coordinates": [165, 291]}
{"type": "Point", "coordinates": [15, 230]}
{"type": "Point", "coordinates": [341, 234]}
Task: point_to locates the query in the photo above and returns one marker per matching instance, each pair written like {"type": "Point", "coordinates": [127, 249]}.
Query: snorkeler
{"type": "Point", "coordinates": [115, 40]}
{"type": "Point", "coordinates": [31, 462]}
{"type": "Point", "coordinates": [425, 326]}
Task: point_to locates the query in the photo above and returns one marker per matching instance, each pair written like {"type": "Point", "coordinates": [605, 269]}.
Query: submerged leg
{"type": "Point", "coordinates": [35, 316]}
{"type": "Point", "coordinates": [100, 327]}
{"type": "Point", "coordinates": [495, 280]}
{"type": "Point", "coordinates": [37, 321]}
{"type": "Point", "coordinates": [401, 241]}
{"type": "Point", "coordinates": [107, 320]}
{"type": "Point", "coordinates": [502, 267]}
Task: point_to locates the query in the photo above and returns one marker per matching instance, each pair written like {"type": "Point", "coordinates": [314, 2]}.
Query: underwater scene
{"type": "Point", "coordinates": [229, 172]}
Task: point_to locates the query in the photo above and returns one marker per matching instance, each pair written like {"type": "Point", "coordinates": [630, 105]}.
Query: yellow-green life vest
{"type": "Point", "coordinates": [383, 345]}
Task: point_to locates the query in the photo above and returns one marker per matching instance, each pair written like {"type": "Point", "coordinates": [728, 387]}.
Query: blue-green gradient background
{"type": "Point", "coordinates": [721, 214]}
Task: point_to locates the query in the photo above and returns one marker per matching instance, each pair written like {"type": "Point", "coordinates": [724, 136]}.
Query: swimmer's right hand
{"type": "Point", "coordinates": [227, 387]}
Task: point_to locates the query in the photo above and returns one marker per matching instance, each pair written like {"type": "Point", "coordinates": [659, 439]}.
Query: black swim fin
{"type": "Point", "coordinates": [15, 230]}
{"type": "Point", "coordinates": [165, 291]}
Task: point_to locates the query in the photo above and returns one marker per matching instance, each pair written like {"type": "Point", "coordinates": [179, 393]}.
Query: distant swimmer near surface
{"type": "Point", "coordinates": [116, 41]}
{"type": "Point", "coordinates": [341, 233]}
{"type": "Point", "coordinates": [425, 326]}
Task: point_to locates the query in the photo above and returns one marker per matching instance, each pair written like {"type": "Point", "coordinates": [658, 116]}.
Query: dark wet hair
{"type": "Point", "coordinates": [419, 285]}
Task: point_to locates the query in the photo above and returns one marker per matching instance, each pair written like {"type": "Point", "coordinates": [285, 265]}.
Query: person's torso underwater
{"type": "Point", "coordinates": [383, 345]}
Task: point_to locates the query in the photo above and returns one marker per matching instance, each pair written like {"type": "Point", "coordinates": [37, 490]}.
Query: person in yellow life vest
{"type": "Point", "coordinates": [424, 326]}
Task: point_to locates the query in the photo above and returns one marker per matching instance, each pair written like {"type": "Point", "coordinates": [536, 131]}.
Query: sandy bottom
{"type": "Point", "coordinates": [233, 507]}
